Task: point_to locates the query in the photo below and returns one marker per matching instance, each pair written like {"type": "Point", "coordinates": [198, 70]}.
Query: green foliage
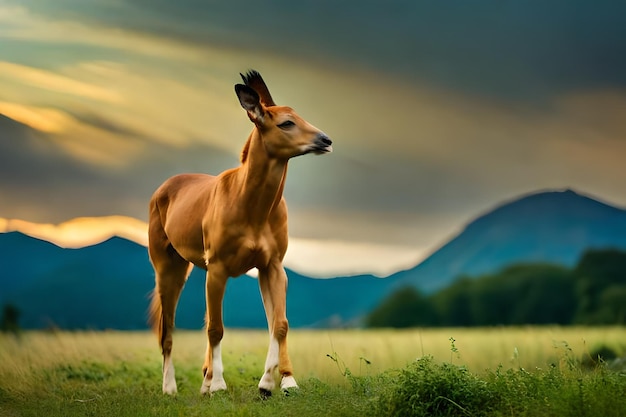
{"type": "Point", "coordinates": [425, 388]}
{"type": "Point", "coordinates": [9, 322]}
{"type": "Point", "coordinates": [454, 304]}
{"type": "Point", "coordinates": [520, 294]}
{"type": "Point", "coordinates": [404, 308]}
{"type": "Point", "coordinates": [598, 356]}
{"type": "Point", "coordinates": [601, 287]}
{"type": "Point", "coordinates": [594, 292]}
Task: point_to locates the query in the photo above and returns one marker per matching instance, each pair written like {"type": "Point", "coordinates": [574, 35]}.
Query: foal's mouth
{"type": "Point", "coordinates": [321, 145]}
{"type": "Point", "coordinates": [321, 150]}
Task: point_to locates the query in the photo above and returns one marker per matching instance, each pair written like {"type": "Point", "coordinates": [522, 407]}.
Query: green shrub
{"type": "Point", "coordinates": [427, 389]}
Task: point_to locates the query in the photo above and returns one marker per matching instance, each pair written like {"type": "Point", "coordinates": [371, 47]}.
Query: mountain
{"type": "Point", "coordinates": [554, 227]}
{"type": "Point", "coordinates": [107, 286]}
{"type": "Point", "coordinates": [91, 287]}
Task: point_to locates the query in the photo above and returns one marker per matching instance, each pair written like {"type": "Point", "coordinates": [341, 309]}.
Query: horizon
{"type": "Point", "coordinates": [350, 259]}
{"type": "Point", "coordinates": [436, 111]}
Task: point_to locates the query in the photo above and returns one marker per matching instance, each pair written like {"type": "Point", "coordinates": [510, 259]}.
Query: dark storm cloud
{"type": "Point", "coordinates": [27, 158]}
{"type": "Point", "coordinates": [524, 50]}
{"type": "Point", "coordinates": [438, 110]}
{"type": "Point", "coordinates": [41, 183]}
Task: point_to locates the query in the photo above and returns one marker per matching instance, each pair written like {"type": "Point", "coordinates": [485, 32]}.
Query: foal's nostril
{"type": "Point", "coordinates": [326, 140]}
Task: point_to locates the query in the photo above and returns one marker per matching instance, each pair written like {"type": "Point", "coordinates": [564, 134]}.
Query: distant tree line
{"type": "Point", "coordinates": [593, 292]}
{"type": "Point", "coordinates": [9, 320]}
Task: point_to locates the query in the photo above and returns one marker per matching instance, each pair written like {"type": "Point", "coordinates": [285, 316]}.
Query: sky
{"type": "Point", "coordinates": [438, 111]}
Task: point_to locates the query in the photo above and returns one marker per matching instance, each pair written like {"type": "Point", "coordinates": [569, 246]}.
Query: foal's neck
{"type": "Point", "coordinates": [263, 180]}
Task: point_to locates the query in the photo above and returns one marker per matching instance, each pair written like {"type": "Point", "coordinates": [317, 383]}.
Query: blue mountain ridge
{"type": "Point", "coordinates": [108, 285]}
{"type": "Point", "coordinates": [554, 227]}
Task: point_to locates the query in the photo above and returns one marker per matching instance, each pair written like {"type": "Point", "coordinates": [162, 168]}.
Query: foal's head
{"type": "Point", "coordinates": [284, 133]}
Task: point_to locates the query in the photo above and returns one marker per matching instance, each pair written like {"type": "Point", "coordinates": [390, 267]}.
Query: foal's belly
{"type": "Point", "coordinates": [195, 255]}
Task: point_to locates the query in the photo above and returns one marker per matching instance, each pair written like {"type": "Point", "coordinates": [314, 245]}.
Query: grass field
{"type": "Point", "coordinates": [489, 371]}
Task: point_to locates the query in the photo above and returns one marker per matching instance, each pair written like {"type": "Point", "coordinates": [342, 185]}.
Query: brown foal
{"type": "Point", "coordinates": [227, 225]}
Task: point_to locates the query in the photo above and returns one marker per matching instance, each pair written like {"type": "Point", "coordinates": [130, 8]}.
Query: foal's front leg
{"type": "Point", "coordinates": [273, 284]}
{"type": "Point", "coordinates": [213, 367]}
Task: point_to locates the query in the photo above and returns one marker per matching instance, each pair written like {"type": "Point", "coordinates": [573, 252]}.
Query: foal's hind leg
{"type": "Point", "coordinates": [171, 273]}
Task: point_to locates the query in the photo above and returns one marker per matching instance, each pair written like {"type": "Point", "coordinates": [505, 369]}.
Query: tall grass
{"type": "Point", "coordinates": [479, 348]}
{"type": "Point", "coordinates": [341, 372]}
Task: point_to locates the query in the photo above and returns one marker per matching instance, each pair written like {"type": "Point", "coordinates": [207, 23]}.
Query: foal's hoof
{"type": "Point", "coordinates": [265, 393]}
{"type": "Point", "coordinates": [170, 389]}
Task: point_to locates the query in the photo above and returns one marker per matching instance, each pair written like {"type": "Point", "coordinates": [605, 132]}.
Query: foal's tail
{"type": "Point", "coordinates": [155, 234]}
{"type": "Point", "coordinates": [155, 314]}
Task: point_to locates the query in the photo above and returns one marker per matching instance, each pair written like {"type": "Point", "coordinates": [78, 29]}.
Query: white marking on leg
{"type": "Point", "coordinates": [206, 385]}
{"type": "Point", "coordinates": [206, 382]}
{"type": "Point", "coordinates": [216, 383]}
{"type": "Point", "coordinates": [169, 380]}
{"type": "Point", "coordinates": [288, 382]}
{"type": "Point", "coordinates": [271, 363]}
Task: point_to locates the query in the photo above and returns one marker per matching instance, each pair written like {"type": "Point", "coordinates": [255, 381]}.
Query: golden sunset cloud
{"type": "Point", "coordinates": [82, 231]}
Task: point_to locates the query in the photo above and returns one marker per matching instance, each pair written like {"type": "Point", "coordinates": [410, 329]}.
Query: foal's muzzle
{"type": "Point", "coordinates": [321, 145]}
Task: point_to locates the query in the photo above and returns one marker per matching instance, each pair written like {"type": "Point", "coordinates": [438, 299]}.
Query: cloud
{"type": "Point", "coordinates": [82, 231]}
{"type": "Point", "coordinates": [329, 258]}
{"type": "Point", "coordinates": [436, 112]}
{"type": "Point", "coordinates": [530, 52]}
{"type": "Point", "coordinates": [42, 119]}
{"type": "Point", "coordinates": [79, 140]}
{"type": "Point", "coordinates": [53, 82]}
{"type": "Point", "coordinates": [43, 182]}
{"type": "Point", "coordinates": [317, 258]}
{"type": "Point", "coordinates": [31, 24]}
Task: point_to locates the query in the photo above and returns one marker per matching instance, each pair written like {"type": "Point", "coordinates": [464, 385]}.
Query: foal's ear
{"type": "Point", "coordinates": [251, 102]}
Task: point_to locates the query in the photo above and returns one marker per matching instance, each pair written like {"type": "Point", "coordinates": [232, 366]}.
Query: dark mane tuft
{"type": "Point", "coordinates": [250, 77]}
{"type": "Point", "coordinates": [254, 80]}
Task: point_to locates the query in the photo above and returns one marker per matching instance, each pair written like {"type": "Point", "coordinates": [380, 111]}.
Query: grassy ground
{"type": "Point", "coordinates": [495, 371]}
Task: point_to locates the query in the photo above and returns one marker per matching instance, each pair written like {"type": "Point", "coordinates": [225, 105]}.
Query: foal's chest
{"type": "Point", "coordinates": [240, 253]}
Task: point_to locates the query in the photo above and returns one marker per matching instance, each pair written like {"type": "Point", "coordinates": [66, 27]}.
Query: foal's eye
{"type": "Point", "coordinates": [286, 124]}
